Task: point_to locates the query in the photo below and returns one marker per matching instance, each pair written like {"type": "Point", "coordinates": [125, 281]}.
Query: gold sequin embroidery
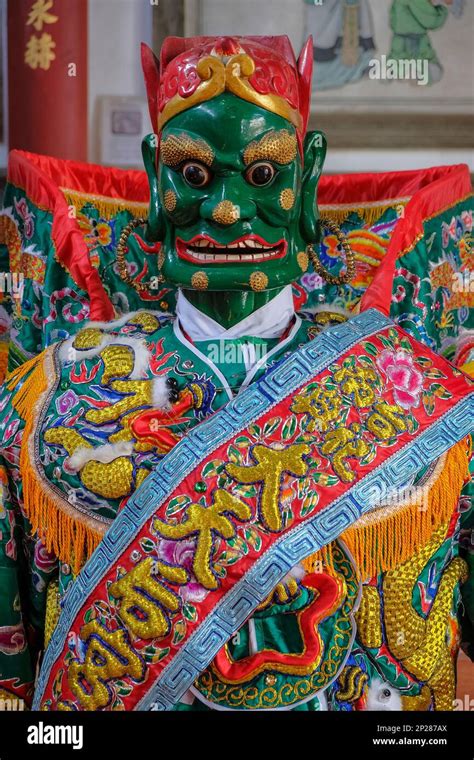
{"type": "Point", "coordinates": [147, 323]}
{"type": "Point", "coordinates": [419, 642]}
{"type": "Point", "coordinates": [270, 464]}
{"type": "Point", "coordinates": [203, 522]}
{"type": "Point", "coordinates": [89, 337]}
{"type": "Point", "coordinates": [175, 149]}
{"type": "Point", "coordinates": [369, 625]}
{"type": "Point", "coordinates": [146, 603]}
{"type": "Point", "coordinates": [279, 146]}
{"type": "Point", "coordinates": [108, 655]}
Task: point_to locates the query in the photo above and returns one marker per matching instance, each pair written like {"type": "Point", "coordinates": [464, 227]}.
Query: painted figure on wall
{"type": "Point", "coordinates": [344, 41]}
{"type": "Point", "coordinates": [411, 22]}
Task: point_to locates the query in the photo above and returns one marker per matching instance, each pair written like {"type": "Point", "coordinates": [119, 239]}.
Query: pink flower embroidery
{"type": "Point", "coordinates": [406, 379]}
{"type": "Point", "coordinates": [181, 554]}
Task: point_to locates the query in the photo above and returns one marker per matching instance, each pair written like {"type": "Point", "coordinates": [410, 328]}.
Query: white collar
{"type": "Point", "coordinates": [269, 321]}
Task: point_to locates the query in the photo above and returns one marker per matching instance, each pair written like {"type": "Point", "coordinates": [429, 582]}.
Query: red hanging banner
{"type": "Point", "coordinates": [47, 77]}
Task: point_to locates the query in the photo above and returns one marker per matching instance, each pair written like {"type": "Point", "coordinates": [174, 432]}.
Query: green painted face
{"type": "Point", "coordinates": [231, 198]}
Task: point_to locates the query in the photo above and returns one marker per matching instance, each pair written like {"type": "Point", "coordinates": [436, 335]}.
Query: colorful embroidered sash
{"type": "Point", "coordinates": [279, 472]}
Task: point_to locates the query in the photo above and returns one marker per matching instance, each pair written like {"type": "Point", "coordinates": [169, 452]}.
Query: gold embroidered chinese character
{"type": "Point", "coordinates": [269, 468]}
{"type": "Point", "coordinates": [386, 421]}
{"type": "Point", "coordinates": [322, 404]}
{"type": "Point", "coordinates": [109, 655]}
{"type": "Point", "coordinates": [358, 383]}
{"type": "Point", "coordinates": [203, 521]}
{"type": "Point", "coordinates": [145, 601]}
{"type": "Point", "coordinates": [39, 14]}
{"type": "Point", "coordinates": [39, 52]}
{"type": "Point", "coordinates": [342, 444]}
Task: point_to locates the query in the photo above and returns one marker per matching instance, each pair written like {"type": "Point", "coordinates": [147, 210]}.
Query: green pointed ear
{"type": "Point", "coordinates": [155, 227]}
{"type": "Point", "coordinates": [314, 153]}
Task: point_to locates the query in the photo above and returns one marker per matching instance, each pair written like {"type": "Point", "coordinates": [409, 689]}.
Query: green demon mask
{"type": "Point", "coordinates": [233, 182]}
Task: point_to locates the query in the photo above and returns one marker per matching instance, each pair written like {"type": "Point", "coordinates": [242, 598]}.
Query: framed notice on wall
{"type": "Point", "coordinates": [123, 124]}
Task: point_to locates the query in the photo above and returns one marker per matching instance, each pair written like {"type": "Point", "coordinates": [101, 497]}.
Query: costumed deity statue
{"type": "Point", "coordinates": [236, 506]}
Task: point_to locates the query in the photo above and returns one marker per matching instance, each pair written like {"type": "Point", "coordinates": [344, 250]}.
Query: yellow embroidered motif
{"type": "Point", "coordinates": [369, 623]}
{"type": "Point", "coordinates": [108, 655]}
{"type": "Point", "coordinates": [203, 521]}
{"type": "Point", "coordinates": [89, 337]}
{"type": "Point", "coordinates": [352, 684]}
{"type": "Point", "coordinates": [113, 480]}
{"type": "Point", "coordinates": [145, 321]}
{"type": "Point", "coordinates": [387, 420]}
{"type": "Point", "coordinates": [357, 382]}
{"type": "Point", "coordinates": [118, 362]}
{"type": "Point", "coordinates": [342, 444]}
{"type": "Point", "coordinates": [269, 468]}
{"type": "Point", "coordinates": [139, 393]}
{"type": "Point", "coordinates": [145, 600]}
{"type": "Point", "coordinates": [420, 642]}
{"type": "Point", "coordinates": [69, 438]}
{"type": "Point", "coordinates": [322, 404]}
{"type": "Point", "coordinates": [52, 610]}
{"type": "Point", "coordinates": [418, 702]}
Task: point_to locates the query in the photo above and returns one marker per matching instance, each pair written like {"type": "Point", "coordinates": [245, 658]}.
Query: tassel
{"type": "Point", "coordinates": [389, 536]}
{"type": "Point", "coordinates": [108, 208]}
{"type": "Point", "coordinates": [320, 562]}
{"type": "Point", "coordinates": [70, 535]}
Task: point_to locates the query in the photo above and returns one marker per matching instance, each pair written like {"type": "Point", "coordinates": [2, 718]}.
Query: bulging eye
{"type": "Point", "coordinates": [260, 174]}
{"type": "Point", "coordinates": [196, 174]}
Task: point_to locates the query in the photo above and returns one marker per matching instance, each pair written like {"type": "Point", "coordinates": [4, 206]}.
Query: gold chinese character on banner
{"type": "Point", "coordinates": [39, 14]}
{"type": "Point", "coordinates": [39, 52]}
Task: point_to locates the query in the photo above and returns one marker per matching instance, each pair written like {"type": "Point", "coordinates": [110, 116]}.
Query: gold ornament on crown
{"type": "Point", "coordinates": [218, 77]}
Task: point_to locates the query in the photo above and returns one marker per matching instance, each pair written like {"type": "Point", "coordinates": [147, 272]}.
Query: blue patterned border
{"type": "Point", "coordinates": [252, 589]}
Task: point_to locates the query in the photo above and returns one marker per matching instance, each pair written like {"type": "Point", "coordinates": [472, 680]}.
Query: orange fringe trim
{"type": "Point", "coordinates": [369, 212]}
{"type": "Point", "coordinates": [70, 535]}
{"type": "Point", "coordinates": [391, 535]}
{"type": "Point", "coordinates": [107, 207]}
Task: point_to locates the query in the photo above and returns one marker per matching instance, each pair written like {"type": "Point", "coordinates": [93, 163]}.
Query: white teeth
{"type": "Point", "coordinates": [259, 251]}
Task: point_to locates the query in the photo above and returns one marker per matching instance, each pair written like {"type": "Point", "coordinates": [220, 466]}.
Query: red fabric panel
{"type": "Point", "coordinates": [71, 248]}
{"type": "Point", "coordinates": [47, 106]}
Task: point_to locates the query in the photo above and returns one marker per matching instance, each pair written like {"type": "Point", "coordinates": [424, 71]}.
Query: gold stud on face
{"type": "Point", "coordinates": [169, 200]}
{"type": "Point", "coordinates": [200, 281]}
{"type": "Point", "coordinates": [287, 198]}
{"type": "Point", "coordinates": [303, 261]}
{"type": "Point", "coordinates": [226, 213]}
{"type": "Point", "coordinates": [258, 281]}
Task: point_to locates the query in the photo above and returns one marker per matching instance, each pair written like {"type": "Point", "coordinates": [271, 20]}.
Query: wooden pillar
{"type": "Point", "coordinates": [47, 77]}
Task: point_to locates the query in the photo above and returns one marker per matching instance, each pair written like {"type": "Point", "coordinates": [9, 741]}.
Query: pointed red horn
{"type": "Point", "coordinates": [151, 72]}
{"type": "Point", "coordinates": [305, 71]}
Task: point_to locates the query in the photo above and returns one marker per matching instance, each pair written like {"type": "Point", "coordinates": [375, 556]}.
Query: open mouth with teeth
{"type": "Point", "coordinates": [250, 249]}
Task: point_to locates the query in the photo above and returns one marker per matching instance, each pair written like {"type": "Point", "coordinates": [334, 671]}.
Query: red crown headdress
{"type": "Point", "coordinates": [261, 70]}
